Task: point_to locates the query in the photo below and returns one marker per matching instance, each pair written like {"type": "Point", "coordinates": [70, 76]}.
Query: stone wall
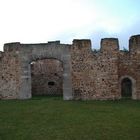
{"type": "Point", "coordinates": [87, 74]}
{"type": "Point", "coordinates": [15, 69]}
{"type": "Point", "coordinates": [10, 71]}
{"type": "Point", "coordinates": [95, 75]}
{"type": "Point", "coordinates": [47, 77]}
{"type": "Point", "coordinates": [129, 65]}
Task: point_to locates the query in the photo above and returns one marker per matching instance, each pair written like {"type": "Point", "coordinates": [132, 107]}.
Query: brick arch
{"type": "Point", "coordinates": [133, 81]}
{"type": "Point", "coordinates": [32, 52]}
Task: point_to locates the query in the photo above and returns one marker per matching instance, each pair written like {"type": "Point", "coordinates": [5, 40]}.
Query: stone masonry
{"type": "Point", "coordinates": [28, 69]}
{"type": "Point", "coordinates": [47, 77]}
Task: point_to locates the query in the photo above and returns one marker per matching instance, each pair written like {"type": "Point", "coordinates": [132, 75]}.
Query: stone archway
{"type": "Point", "coordinates": [128, 87]}
{"type": "Point", "coordinates": [53, 50]}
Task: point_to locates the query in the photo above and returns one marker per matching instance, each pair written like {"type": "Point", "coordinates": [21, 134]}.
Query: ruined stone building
{"type": "Point", "coordinates": [74, 71]}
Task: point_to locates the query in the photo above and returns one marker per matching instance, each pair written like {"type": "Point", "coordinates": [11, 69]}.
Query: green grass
{"type": "Point", "coordinates": [51, 118]}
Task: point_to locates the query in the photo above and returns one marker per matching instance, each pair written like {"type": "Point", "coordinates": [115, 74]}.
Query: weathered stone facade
{"type": "Point", "coordinates": [87, 74]}
{"type": "Point", "coordinates": [95, 75]}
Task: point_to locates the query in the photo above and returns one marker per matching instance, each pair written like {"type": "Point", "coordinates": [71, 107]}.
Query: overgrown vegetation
{"type": "Point", "coordinates": [96, 50]}
{"type": "Point", "coordinates": [125, 49]}
{"type": "Point", "coordinates": [51, 118]}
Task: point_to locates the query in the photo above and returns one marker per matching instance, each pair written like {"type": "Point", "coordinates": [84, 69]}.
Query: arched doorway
{"type": "Point", "coordinates": [126, 87]}
{"type": "Point", "coordinates": [34, 52]}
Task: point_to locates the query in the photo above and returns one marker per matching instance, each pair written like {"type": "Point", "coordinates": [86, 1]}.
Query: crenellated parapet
{"type": "Point", "coordinates": [107, 44]}
{"type": "Point", "coordinates": [86, 74]}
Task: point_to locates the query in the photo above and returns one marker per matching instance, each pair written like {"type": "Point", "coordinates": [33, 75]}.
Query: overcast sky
{"type": "Point", "coordinates": [35, 21]}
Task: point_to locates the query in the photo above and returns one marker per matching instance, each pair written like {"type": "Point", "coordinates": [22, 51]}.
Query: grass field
{"type": "Point", "coordinates": [51, 118]}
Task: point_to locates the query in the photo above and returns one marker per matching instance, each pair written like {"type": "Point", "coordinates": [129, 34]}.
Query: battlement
{"type": "Point", "coordinates": [134, 43]}
{"type": "Point", "coordinates": [106, 44]}
{"type": "Point", "coordinates": [80, 43]}
{"type": "Point", "coordinates": [11, 46]}
{"type": "Point", "coordinates": [109, 44]}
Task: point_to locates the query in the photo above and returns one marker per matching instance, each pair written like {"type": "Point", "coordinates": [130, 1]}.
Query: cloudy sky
{"type": "Point", "coordinates": [34, 21]}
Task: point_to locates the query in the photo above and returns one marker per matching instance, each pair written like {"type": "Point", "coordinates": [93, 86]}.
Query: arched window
{"type": "Point", "coordinates": [126, 87]}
